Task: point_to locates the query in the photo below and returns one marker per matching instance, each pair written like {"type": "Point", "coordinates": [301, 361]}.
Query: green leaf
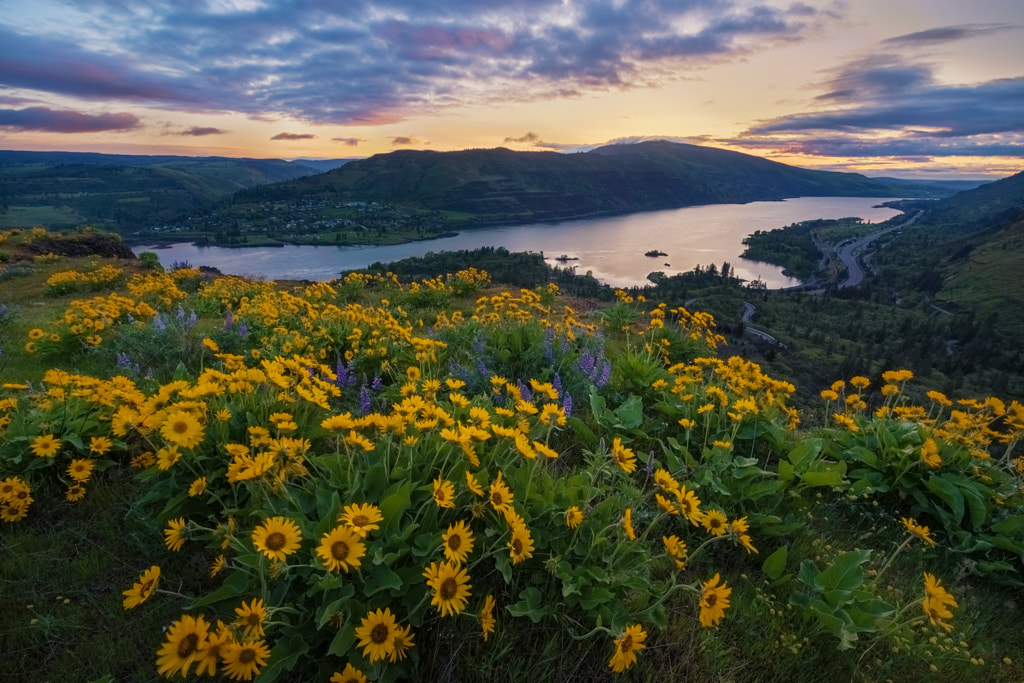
{"type": "Point", "coordinates": [395, 501]}
{"type": "Point", "coordinates": [234, 585]}
{"type": "Point", "coordinates": [775, 563]}
{"type": "Point", "coordinates": [383, 578]}
{"type": "Point", "coordinates": [596, 596]}
{"type": "Point", "coordinates": [1009, 525]}
{"type": "Point", "coordinates": [804, 453]}
{"type": "Point", "coordinates": [326, 610]}
{"type": "Point", "coordinates": [949, 493]}
{"type": "Point", "coordinates": [630, 414]}
{"type": "Point", "coordinates": [283, 657]}
{"type": "Point", "coordinates": [530, 605]}
{"type": "Point", "coordinates": [844, 574]}
{"type": "Point", "coordinates": [825, 474]}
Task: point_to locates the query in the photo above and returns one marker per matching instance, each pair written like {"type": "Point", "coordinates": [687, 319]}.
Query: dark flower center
{"type": "Point", "coordinates": [339, 550]}
{"type": "Point", "coordinates": [379, 634]}
{"type": "Point", "coordinates": [187, 645]}
{"type": "Point", "coordinates": [627, 643]}
{"type": "Point", "coordinates": [711, 599]}
{"type": "Point", "coordinates": [454, 541]}
{"type": "Point", "coordinates": [275, 541]}
{"type": "Point", "coordinates": [360, 520]}
{"type": "Point", "coordinates": [247, 656]}
{"type": "Point", "coordinates": [517, 546]}
{"type": "Point", "coordinates": [449, 588]}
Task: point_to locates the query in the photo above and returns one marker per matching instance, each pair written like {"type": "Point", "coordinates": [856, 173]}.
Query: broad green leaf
{"type": "Point", "coordinates": [775, 563]}
{"type": "Point", "coordinates": [844, 573]}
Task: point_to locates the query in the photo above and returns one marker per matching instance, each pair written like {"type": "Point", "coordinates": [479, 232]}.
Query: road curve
{"type": "Point", "coordinates": [849, 252]}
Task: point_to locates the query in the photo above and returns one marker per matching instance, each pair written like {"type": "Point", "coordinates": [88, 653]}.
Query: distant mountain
{"type": "Point", "coordinates": [951, 185]}
{"type": "Point", "coordinates": [324, 165]}
{"type": "Point", "coordinates": [121, 191]}
{"type": "Point", "coordinates": [483, 186]}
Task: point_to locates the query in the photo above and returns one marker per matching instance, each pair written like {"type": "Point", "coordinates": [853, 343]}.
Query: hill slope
{"type": "Point", "coordinates": [124, 192]}
{"type": "Point", "coordinates": [499, 185]}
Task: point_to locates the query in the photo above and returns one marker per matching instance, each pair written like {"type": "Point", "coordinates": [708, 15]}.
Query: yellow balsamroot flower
{"type": "Point", "coordinates": [916, 529]}
{"type": "Point", "coordinates": [845, 421]}
{"type": "Point", "coordinates": [349, 675]}
{"type": "Point", "coordinates": [182, 646]}
{"type": "Point", "coordinates": [457, 542]}
{"type": "Point", "coordinates": [544, 450]}
{"type": "Point", "coordinates": [738, 532]}
{"type": "Point", "coordinates": [626, 646]}
{"type": "Point", "coordinates": [45, 445]}
{"type": "Point", "coordinates": [341, 548]}
{"type": "Point", "coordinates": [376, 633]}
{"type": "Point", "coordinates": [361, 518]}
{"type": "Point", "coordinates": [450, 584]}
{"type": "Point", "coordinates": [182, 429]}
{"type": "Point", "coordinates": [176, 534]}
{"type": "Point", "coordinates": [675, 548]}
{"type": "Point", "coordinates": [937, 603]}
{"type": "Point", "coordinates": [143, 588]}
{"type": "Point", "coordinates": [223, 415]}
{"type": "Point", "coordinates": [627, 524]}
{"type": "Point", "coordinates": [242, 661]}
{"type": "Point", "coordinates": [573, 517]}
{"type": "Point", "coordinates": [197, 487]}
{"type": "Point", "coordinates": [75, 493]}
{"type": "Point", "coordinates": [100, 445]}
{"type": "Point", "coordinates": [715, 523]}
{"type": "Point", "coordinates": [930, 454]}
{"type": "Point", "coordinates": [500, 495]}
{"type": "Point", "coordinates": [403, 643]}
{"type": "Point", "coordinates": [521, 544]}
{"type": "Point", "coordinates": [686, 423]}
{"type": "Point", "coordinates": [487, 620]}
{"type": "Point", "coordinates": [444, 493]}
{"type": "Point", "coordinates": [623, 456]}
{"type": "Point", "coordinates": [80, 469]}
{"type": "Point", "coordinates": [473, 485]}
{"type": "Point", "coordinates": [689, 505]}
{"type": "Point", "coordinates": [211, 650]}
{"type": "Point", "coordinates": [251, 617]}
{"type": "Point", "coordinates": [714, 600]}
{"type": "Point", "coordinates": [277, 538]}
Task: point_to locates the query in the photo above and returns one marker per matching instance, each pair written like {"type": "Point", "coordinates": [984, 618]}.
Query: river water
{"type": "Point", "coordinates": [611, 248]}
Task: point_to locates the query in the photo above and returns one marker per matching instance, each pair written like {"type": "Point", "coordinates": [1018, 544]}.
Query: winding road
{"type": "Point", "coordinates": [849, 252]}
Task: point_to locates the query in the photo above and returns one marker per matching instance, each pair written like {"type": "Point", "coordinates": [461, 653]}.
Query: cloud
{"type": "Point", "coordinates": [65, 121]}
{"type": "Point", "coordinates": [529, 137]}
{"type": "Point", "coordinates": [406, 141]}
{"type": "Point", "coordinates": [293, 136]}
{"type": "Point", "coordinates": [351, 142]}
{"type": "Point", "coordinates": [946, 34]}
{"type": "Point", "coordinates": [889, 101]}
{"type": "Point", "coordinates": [372, 62]}
{"type": "Point", "coordinates": [198, 131]}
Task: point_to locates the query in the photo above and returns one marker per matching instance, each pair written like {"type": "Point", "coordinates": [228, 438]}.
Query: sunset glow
{"type": "Point", "coordinates": [902, 87]}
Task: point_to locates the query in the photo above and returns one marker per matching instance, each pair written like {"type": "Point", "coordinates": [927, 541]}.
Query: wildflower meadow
{"type": "Point", "coordinates": [379, 479]}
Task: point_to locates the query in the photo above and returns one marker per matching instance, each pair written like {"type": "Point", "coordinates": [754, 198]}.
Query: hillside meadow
{"type": "Point", "coordinates": [448, 478]}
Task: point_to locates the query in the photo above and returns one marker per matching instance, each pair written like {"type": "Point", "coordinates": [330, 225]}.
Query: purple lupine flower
{"type": "Point", "coordinates": [549, 348]}
{"type": "Point", "coordinates": [130, 318]}
{"type": "Point", "coordinates": [158, 322]}
{"type": "Point", "coordinates": [478, 345]}
{"type": "Point", "coordinates": [377, 384]}
{"type": "Point", "coordinates": [229, 320]}
{"type": "Point", "coordinates": [567, 405]}
{"type": "Point", "coordinates": [524, 391]}
{"type": "Point", "coordinates": [123, 360]}
{"type": "Point", "coordinates": [3, 310]}
{"type": "Point", "coordinates": [481, 367]}
{"type": "Point", "coordinates": [556, 382]}
{"type": "Point", "coordinates": [586, 362]}
{"type": "Point", "coordinates": [180, 314]}
{"type": "Point", "coordinates": [243, 329]}
{"type": "Point", "coordinates": [365, 400]}
{"type": "Point", "coordinates": [606, 374]}
{"type": "Point", "coordinates": [192, 318]}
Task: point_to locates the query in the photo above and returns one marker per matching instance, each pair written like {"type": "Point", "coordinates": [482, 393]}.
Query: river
{"type": "Point", "coordinates": [611, 248]}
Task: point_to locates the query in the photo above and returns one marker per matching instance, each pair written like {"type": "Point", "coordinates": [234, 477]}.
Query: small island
{"type": "Point", "coordinates": [564, 257]}
{"type": "Point", "coordinates": [654, 253]}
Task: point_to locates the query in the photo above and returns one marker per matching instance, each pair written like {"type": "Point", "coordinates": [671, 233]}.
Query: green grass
{"type": "Point", "coordinates": [27, 216]}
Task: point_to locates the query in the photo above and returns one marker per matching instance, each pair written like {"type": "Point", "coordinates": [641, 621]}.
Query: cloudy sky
{"type": "Point", "coordinates": [888, 87]}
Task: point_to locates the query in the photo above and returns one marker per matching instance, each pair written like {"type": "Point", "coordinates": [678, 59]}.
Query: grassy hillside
{"type": "Point", "coordinates": [123, 192]}
{"type": "Point", "coordinates": [453, 479]}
